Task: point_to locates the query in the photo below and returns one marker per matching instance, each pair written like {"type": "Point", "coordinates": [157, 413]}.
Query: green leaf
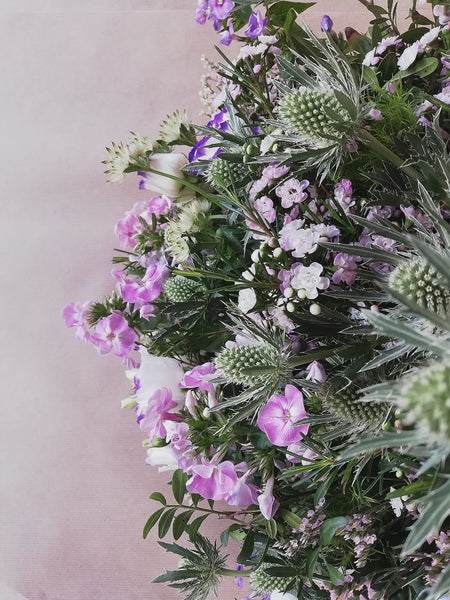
{"type": "Point", "coordinates": [329, 528]}
{"type": "Point", "coordinates": [386, 356]}
{"type": "Point", "coordinates": [398, 330]}
{"type": "Point", "coordinates": [180, 522]}
{"type": "Point", "coordinates": [281, 571]}
{"type": "Point", "coordinates": [247, 548]}
{"type": "Point", "coordinates": [409, 490]}
{"type": "Point", "coordinates": [179, 479]}
{"type": "Point", "coordinates": [158, 497]}
{"type": "Point", "coordinates": [441, 586]}
{"type": "Point", "coordinates": [383, 440]}
{"type": "Point", "coordinates": [195, 526]}
{"type": "Point", "coordinates": [370, 77]}
{"type": "Point", "coordinates": [436, 509]}
{"type": "Point", "coordinates": [346, 103]}
{"type": "Point", "coordinates": [165, 522]}
{"type": "Point", "coordinates": [178, 575]}
{"type": "Point", "coordinates": [311, 563]}
{"type": "Point", "coordinates": [151, 521]}
{"type": "Point", "coordinates": [277, 13]}
{"type": "Point", "coordinates": [423, 68]}
{"type": "Point", "coordinates": [334, 574]}
{"type": "Point", "coordinates": [271, 528]}
{"type": "Point", "coordinates": [225, 535]}
{"type": "Point", "coordinates": [291, 519]}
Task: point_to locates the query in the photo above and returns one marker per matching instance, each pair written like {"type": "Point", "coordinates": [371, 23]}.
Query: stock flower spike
{"type": "Point", "coordinates": [281, 303]}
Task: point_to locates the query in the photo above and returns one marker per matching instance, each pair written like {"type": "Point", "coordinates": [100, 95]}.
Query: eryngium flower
{"type": "Point", "coordinates": [224, 173]}
{"type": "Point", "coordinates": [421, 283]}
{"type": "Point", "coordinates": [314, 114]}
{"type": "Point", "coordinates": [183, 289]}
{"type": "Point", "coordinates": [346, 405]}
{"type": "Point", "coordinates": [263, 583]}
{"type": "Point", "coordinates": [426, 401]}
{"type": "Point", "coordinates": [253, 365]}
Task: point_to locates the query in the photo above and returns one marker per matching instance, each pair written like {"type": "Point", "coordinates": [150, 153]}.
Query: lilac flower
{"type": "Point", "coordinates": [243, 493]}
{"type": "Point", "coordinates": [220, 120]}
{"type": "Point", "coordinates": [292, 191]}
{"type": "Point", "coordinates": [199, 377]}
{"type": "Point", "coordinates": [280, 413]}
{"type": "Point", "coordinates": [211, 480]}
{"type": "Point", "coordinates": [201, 12]}
{"type": "Point", "coordinates": [202, 150]}
{"type": "Point", "coordinates": [375, 114]}
{"type": "Point", "coordinates": [74, 315]}
{"type": "Point", "coordinates": [114, 333]}
{"type": "Point", "coordinates": [157, 411]}
{"type": "Point", "coordinates": [226, 36]}
{"type": "Point", "coordinates": [299, 449]}
{"type": "Point", "coordinates": [140, 291]}
{"type": "Point", "coordinates": [239, 580]}
{"type": "Point", "coordinates": [316, 372]}
{"type": "Point", "coordinates": [309, 279]}
{"type": "Point", "coordinates": [326, 24]}
{"type": "Point", "coordinates": [346, 268]}
{"type": "Point", "coordinates": [343, 195]}
{"type": "Point", "coordinates": [256, 25]}
{"type": "Point", "coordinates": [267, 502]}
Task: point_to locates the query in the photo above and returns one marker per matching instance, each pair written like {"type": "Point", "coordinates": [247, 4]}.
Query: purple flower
{"type": "Point", "coordinates": [221, 9]}
{"type": "Point", "coordinates": [264, 206]}
{"type": "Point", "coordinates": [74, 315]}
{"type": "Point", "coordinates": [256, 25]}
{"type": "Point", "coordinates": [140, 291]}
{"type": "Point", "coordinates": [326, 24]}
{"type": "Point", "coordinates": [226, 36]}
{"type": "Point", "coordinates": [113, 333]}
{"type": "Point", "coordinates": [199, 377]}
{"type": "Point", "coordinates": [346, 268]}
{"type": "Point", "coordinates": [220, 120]}
{"type": "Point", "coordinates": [280, 413]}
{"type": "Point", "coordinates": [267, 502]}
{"type": "Point", "coordinates": [292, 191]}
{"type": "Point", "coordinates": [201, 12]}
{"type": "Point", "coordinates": [243, 493]}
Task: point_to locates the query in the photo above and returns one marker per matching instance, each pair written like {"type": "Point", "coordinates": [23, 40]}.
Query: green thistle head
{"type": "Point", "coordinates": [346, 405]}
{"type": "Point", "coordinates": [224, 173]}
{"type": "Point", "coordinates": [263, 583]}
{"type": "Point", "coordinates": [425, 399]}
{"type": "Point", "coordinates": [315, 114]}
{"type": "Point", "coordinates": [253, 365]}
{"type": "Point", "coordinates": [421, 283]}
{"type": "Point", "coordinates": [183, 289]}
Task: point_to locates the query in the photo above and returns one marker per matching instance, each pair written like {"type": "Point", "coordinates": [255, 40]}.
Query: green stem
{"type": "Point", "coordinates": [234, 573]}
{"type": "Point", "coordinates": [386, 154]}
{"type": "Point", "coordinates": [211, 511]}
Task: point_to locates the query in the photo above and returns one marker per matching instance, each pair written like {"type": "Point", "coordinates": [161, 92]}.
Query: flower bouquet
{"type": "Point", "coordinates": [281, 305]}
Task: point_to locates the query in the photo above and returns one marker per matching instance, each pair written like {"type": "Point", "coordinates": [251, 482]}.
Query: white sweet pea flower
{"type": "Point", "coordinates": [430, 36]}
{"type": "Point", "coordinates": [282, 596]}
{"type": "Point", "coordinates": [163, 457]}
{"type": "Point", "coordinates": [156, 372]}
{"type": "Point", "coordinates": [166, 162]}
{"type": "Point", "coordinates": [408, 56]}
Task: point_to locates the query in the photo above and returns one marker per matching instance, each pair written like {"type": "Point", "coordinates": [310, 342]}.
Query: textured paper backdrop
{"type": "Point", "coordinates": [77, 74]}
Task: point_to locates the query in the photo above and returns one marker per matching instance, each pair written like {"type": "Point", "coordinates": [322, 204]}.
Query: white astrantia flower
{"type": "Point", "coordinates": [246, 300]}
{"type": "Point", "coordinates": [121, 156]}
{"type": "Point", "coordinates": [175, 242]}
{"type": "Point", "coordinates": [171, 126]}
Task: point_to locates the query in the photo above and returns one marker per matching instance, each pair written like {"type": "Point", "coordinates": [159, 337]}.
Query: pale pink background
{"type": "Point", "coordinates": [76, 75]}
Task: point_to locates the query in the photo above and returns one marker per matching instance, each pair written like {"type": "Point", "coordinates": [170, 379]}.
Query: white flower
{"type": "Point", "coordinates": [370, 58]}
{"type": "Point", "coordinates": [282, 596]}
{"type": "Point", "coordinates": [408, 56]}
{"type": "Point", "coordinates": [429, 37]}
{"type": "Point", "coordinates": [170, 127]}
{"type": "Point", "coordinates": [309, 279]}
{"type": "Point", "coordinates": [170, 163]}
{"type": "Point", "coordinates": [156, 372]}
{"type": "Point", "coordinates": [163, 457]}
{"type": "Point", "coordinates": [177, 245]}
{"type": "Point", "coordinates": [246, 299]}
{"type": "Point", "coordinates": [123, 155]}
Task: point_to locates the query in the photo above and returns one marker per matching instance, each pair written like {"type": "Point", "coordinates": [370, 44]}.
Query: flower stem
{"type": "Point", "coordinates": [233, 573]}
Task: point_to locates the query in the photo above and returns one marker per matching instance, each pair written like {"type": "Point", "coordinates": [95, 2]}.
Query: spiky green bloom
{"type": "Point", "coordinates": [346, 405]}
{"type": "Point", "coordinates": [425, 399]}
{"type": "Point", "coordinates": [253, 365]}
{"type": "Point", "coordinates": [183, 289]}
{"type": "Point", "coordinates": [225, 173]}
{"type": "Point", "coordinates": [309, 112]}
{"type": "Point", "coordinates": [263, 583]}
{"type": "Point", "coordinates": [421, 283]}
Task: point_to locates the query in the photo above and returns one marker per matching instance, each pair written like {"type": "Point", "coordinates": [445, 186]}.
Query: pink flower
{"type": "Point", "coordinates": [243, 493]}
{"type": "Point", "coordinates": [292, 192]}
{"type": "Point", "coordinates": [277, 418]}
{"type": "Point", "coordinates": [316, 372]}
{"type": "Point", "coordinates": [157, 411]}
{"type": "Point", "coordinates": [113, 333]}
{"type": "Point", "coordinates": [267, 502]}
{"type": "Point", "coordinates": [347, 267]}
{"type": "Point", "coordinates": [265, 209]}
{"type": "Point", "coordinates": [74, 315]}
{"type": "Point", "coordinates": [211, 480]}
{"type": "Point", "coordinates": [199, 377]}
{"type": "Point", "coordinates": [140, 291]}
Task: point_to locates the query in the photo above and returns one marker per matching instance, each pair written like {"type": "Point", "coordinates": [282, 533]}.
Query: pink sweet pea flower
{"type": "Point", "coordinates": [211, 480]}
{"type": "Point", "coordinates": [243, 493]}
{"type": "Point", "coordinates": [114, 333]}
{"type": "Point", "coordinates": [267, 502]}
{"type": "Point", "coordinates": [316, 372]}
{"type": "Point", "coordinates": [277, 418]}
{"type": "Point", "coordinates": [156, 412]}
